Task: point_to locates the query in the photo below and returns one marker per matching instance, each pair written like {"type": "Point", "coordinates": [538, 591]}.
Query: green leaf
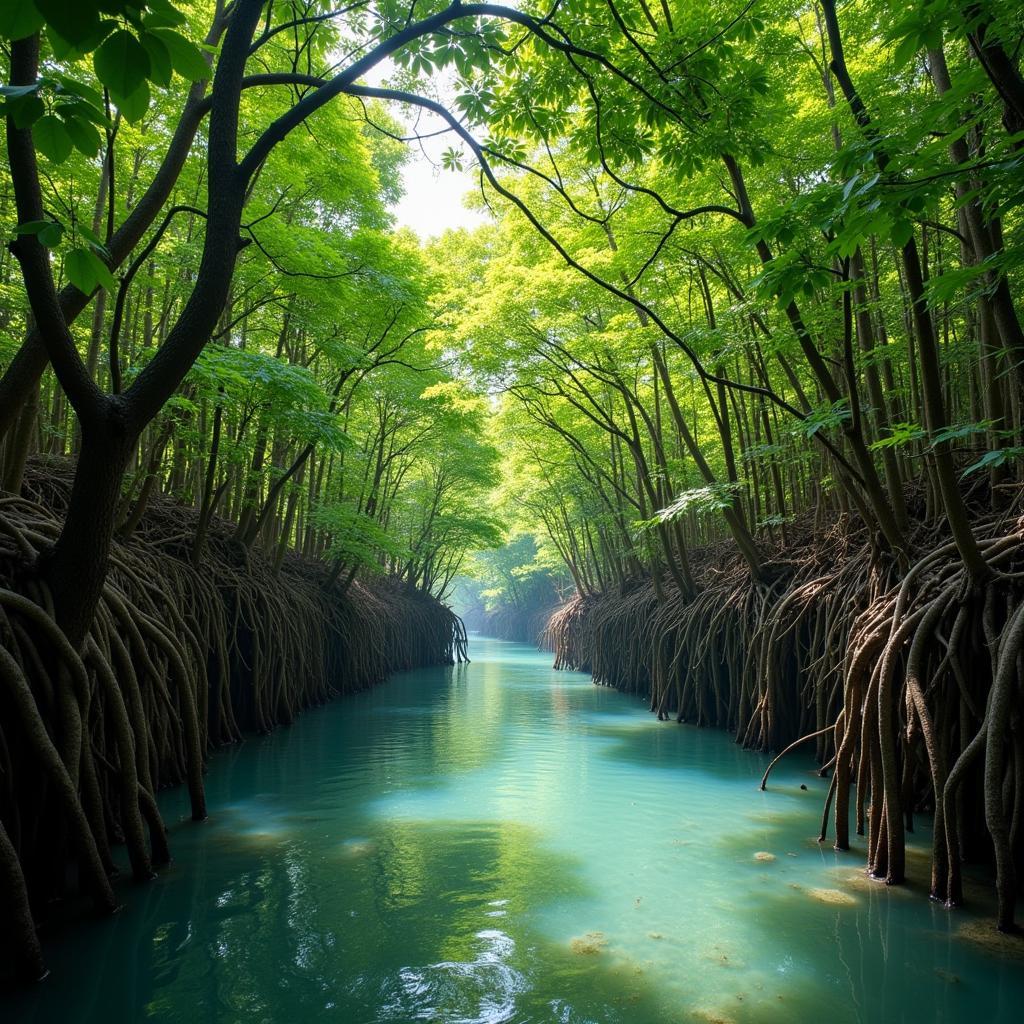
{"type": "Point", "coordinates": [158, 19]}
{"type": "Point", "coordinates": [899, 434]}
{"type": "Point", "coordinates": [824, 417]}
{"type": "Point", "coordinates": [51, 138]}
{"type": "Point", "coordinates": [906, 49]}
{"type": "Point", "coordinates": [52, 234]}
{"type": "Point", "coordinates": [993, 458]}
{"type": "Point", "coordinates": [87, 272]}
{"type": "Point", "coordinates": [79, 271]}
{"type": "Point", "coordinates": [960, 431]}
{"type": "Point", "coordinates": [186, 57]}
{"type": "Point", "coordinates": [19, 19]}
{"type": "Point", "coordinates": [94, 240]}
{"type": "Point", "coordinates": [84, 135]}
{"type": "Point", "coordinates": [159, 59]}
{"type": "Point", "coordinates": [81, 90]}
{"type": "Point", "coordinates": [134, 107]}
{"type": "Point", "coordinates": [122, 65]}
{"type": "Point", "coordinates": [165, 9]}
{"type": "Point", "coordinates": [451, 159]}
{"type": "Point", "coordinates": [901, 232]}
{"type": "Point", "coordinates": [712, 498]}
{"type": "Point", "coordinates": [84, 111]}
{"type": "Point", "coordinates": [63, 49]}
{"type": "Point", "coordinates": [49, 232]}
{"type": "Point", "coordinates": [25, 110]}
{"type": "Point", "coordinates": [31, 227]}
{"type": "Point", "coordinates": [75, 21]}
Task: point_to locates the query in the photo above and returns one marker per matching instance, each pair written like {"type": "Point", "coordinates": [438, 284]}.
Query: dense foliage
{"type": "Point", "coordinates": [774, 279]}
{"type": "Point", "coordinates": [766, 276]}
{"type": "Point", "coordinates": [319, 415]}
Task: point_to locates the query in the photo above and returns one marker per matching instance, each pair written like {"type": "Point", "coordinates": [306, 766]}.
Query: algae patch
{"type": "Point", "coordinates": [984, 933]}
{"type": "Point", "coordinates": [832, 897]}
{"type": "Point", "coordinates": [588, 945]}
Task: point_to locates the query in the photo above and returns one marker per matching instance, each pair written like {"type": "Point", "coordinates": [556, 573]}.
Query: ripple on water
{"type": "Point", "coordinates": [478, 991]}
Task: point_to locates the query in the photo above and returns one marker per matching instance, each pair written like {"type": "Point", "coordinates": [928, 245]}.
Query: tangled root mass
{"type": "Point", "coordinates": [908, 684]}
{"type": "Point", "coordinates": [181, 659]}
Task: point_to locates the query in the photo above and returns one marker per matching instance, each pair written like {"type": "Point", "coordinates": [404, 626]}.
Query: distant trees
{"type": "Point", "coordinates": [79, 82]}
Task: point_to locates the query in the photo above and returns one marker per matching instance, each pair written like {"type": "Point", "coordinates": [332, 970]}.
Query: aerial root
{"type": "Point", "coordinates": [180, 660]}
{"type": "Point", "coordinates": [911, 686]}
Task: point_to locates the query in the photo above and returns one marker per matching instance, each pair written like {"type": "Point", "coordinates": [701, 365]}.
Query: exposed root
{"type": "Point", "coordinates": [911, 686]}
{"type": "Point", "coordinates": [180, 659]}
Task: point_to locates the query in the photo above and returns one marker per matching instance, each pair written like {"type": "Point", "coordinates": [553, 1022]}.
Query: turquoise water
{"type": "Point", "coordinates": [505, 843]}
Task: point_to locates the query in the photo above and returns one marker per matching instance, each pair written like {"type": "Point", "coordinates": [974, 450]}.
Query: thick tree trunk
{"type": "Point", "coordinates": [20, 442]}
{"type": "Point", "coordinates": [76, 567]}
{"type": "Point", "coordinates": [28, 364]}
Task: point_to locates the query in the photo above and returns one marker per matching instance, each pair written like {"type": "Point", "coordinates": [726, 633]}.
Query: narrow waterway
{"type": "Point", "coordinates": [505, 843]}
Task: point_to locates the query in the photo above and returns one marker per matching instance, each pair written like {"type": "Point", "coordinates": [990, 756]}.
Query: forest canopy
{"type": "Point", "coordinates": [768, 267]}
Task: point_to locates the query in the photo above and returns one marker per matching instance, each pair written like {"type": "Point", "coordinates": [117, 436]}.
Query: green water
{"type": "Point", "coordinates": [505, 843]}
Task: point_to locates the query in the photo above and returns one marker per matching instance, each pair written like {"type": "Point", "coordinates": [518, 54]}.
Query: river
{"type": "Point", "coordinates": [500, 842]}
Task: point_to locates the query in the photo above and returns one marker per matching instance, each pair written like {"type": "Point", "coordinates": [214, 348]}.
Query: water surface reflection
{"type": "Point", "coordinates": [502, 843]}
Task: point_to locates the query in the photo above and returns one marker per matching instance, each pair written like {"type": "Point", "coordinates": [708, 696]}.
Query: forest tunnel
{"type": "Point", "coordinates": [711, 388]}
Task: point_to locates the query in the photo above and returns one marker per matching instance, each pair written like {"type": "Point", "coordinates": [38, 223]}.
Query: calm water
{"type": "Point", "coordinates": [504, 843]}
